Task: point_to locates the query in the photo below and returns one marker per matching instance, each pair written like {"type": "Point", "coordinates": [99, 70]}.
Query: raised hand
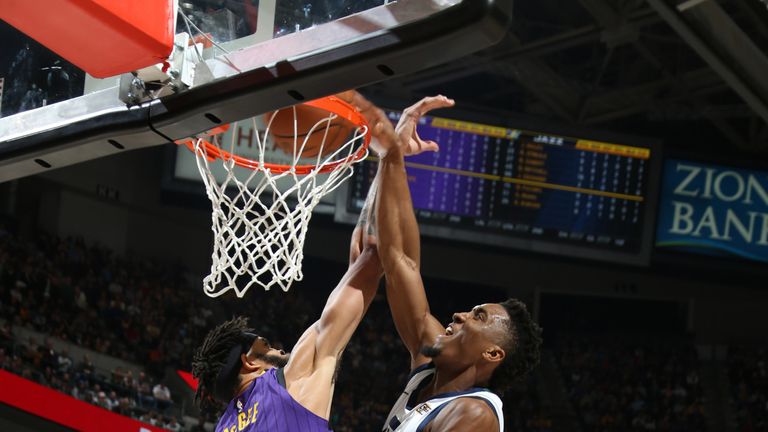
{"type": "Point", "coordinates": [406, 127]}
{"type": "Point", "coordinates": [381, 128]}
{"type": "Point", "coordinates": [404, 135]}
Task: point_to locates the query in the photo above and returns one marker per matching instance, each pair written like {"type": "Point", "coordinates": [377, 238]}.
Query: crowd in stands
{"type": "Point", "coordinates": [120, 391]}
{"type": "Point", "coordinates": [125, 308]}
{"type": "Point", "coordinates": [617, 385]}
{"type": "Point", "coordinates": [748, 374]}
{"type": "Point", "coordinates": [147, 314]}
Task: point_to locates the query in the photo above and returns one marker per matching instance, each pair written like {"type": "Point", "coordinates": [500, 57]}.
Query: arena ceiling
{"type": "Point", "coordinates": [693, 72]}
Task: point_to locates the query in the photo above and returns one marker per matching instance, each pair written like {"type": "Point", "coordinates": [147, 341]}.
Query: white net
{"type": "Point", "coordinates": [261, 213]}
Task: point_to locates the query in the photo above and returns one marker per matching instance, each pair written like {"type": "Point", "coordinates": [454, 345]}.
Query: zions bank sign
{"type": "Point", "coordinates": [713, 209]}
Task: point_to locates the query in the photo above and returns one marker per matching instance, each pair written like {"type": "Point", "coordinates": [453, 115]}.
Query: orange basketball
{"type": "Point", "coordinates": [282, 130]}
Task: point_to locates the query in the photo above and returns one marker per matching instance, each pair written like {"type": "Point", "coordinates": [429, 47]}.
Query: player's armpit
{"type": "Point", "coordinates": [302, 360]}
{"type": "Point", "coordinates": [465, 415]}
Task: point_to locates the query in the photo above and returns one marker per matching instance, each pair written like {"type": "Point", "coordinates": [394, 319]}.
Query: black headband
{"type": "Point", "coordinates": [226, 379]}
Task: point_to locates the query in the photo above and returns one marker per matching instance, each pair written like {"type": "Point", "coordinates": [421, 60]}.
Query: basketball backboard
{"type": "Point", "coordinates": [251, 56]}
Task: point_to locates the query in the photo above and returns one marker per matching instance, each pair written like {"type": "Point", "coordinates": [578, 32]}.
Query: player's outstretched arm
{"type": "Point", "coordinates": [400, 244]}
{"type": "Point", "coordinates": [348, 303]}
{"type": "Point", "coordinates": [310, 372]}
{"type": "Point", "coordinates": [397, 229]}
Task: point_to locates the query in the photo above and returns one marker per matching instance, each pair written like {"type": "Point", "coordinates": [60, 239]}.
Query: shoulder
{"type": "Point", "coordinates": [466, 414]}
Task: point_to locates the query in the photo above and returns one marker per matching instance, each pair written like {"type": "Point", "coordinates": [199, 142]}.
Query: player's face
{"type": "Point", "coordinates": [471, 333]}
{"type": "Point", "coordinates": [261, 349]}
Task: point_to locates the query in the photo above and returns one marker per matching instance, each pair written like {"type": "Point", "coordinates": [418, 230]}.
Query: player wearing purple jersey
{"type": "Point", "coordinates": [269, 390]}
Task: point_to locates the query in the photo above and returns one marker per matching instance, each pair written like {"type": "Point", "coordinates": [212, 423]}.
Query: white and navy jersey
{"type": "Point", "coordinates": [409, 416]}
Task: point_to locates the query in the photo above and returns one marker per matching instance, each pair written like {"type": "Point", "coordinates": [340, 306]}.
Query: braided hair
{"type": "Point", "coordinates": [211, 358]}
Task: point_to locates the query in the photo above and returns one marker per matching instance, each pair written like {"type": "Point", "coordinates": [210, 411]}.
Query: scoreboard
{"type": "Point", "coordinates": [550, 192]}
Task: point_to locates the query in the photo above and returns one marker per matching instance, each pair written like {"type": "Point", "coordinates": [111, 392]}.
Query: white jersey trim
{"type": "Point", "coordinates": [404, 417]}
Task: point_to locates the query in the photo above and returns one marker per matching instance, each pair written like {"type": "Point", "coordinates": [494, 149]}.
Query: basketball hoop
{"type": "Point", "coordinates": [261, 209]}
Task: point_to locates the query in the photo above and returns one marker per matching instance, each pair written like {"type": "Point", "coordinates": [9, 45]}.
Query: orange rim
{"type": "Point", "coordinates": [331, 104]}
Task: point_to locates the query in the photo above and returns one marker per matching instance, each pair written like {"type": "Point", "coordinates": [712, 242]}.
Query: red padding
{"type": "Point", "coordinates": [102, 37]}
{"type": "Point", "coordinates": [62, 409]}
{"type": "Point", "coordinates": [188, 378]}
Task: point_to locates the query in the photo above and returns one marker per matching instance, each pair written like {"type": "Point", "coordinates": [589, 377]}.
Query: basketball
{"type": "Point", "coordinates": [282, 130]}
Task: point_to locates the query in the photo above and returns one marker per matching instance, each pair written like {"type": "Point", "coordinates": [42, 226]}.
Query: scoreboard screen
{"type": "Point", "coordinates": [543, 191]}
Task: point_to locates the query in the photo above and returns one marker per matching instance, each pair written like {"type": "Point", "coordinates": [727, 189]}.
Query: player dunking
{"type": "Point", "coordinates": [270, 391]}
{"type": "Point", "coordinates": [490, 346]}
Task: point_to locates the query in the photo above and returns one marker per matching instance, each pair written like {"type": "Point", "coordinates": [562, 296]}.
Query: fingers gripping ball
{"type": "Point", "coordinates": [289, 131]}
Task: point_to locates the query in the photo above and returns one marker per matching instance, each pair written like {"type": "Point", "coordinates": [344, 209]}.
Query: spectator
{"type": "Point", "coordinates": [162, 396]}
{"type": "Point", "coordinates": [118, 375]}
{"type": "Point", "coordinates": [86, 369]}
{"type": "Point", "coordinates": [146, 418]}
{"type": "Point", "coordinates": [6, 335]}
{"type": "Point", "coordinates": [125, 406]}
{"type": "Point", "coordinates": [129, 381]}
{"type": "Point", "coordinates": [172, 425]}
{"type": "Point", "coordinates": [112, 400]}
{"type": "Point", "coordinates": [144, 391]}
{"type": "Point", "coordinates": [63, 362]}
{"type": "Point", "coordinates": [101, 400]}
{"type": "Point", "coordinates": [81, 300]}
{"type": "Point", "coordinates": [79, 391]}
{"type": "Point", "coordinates": [748, 376]}
{"type": "Point", "coordinates": [5, 361]}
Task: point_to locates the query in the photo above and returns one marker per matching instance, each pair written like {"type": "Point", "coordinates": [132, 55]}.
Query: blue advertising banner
{"type": "Point", "coordinates": [714, 210]}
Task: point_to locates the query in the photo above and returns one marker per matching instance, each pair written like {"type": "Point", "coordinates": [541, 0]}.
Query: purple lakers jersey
{"type": "Point", "coordinates": [266, 406]}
